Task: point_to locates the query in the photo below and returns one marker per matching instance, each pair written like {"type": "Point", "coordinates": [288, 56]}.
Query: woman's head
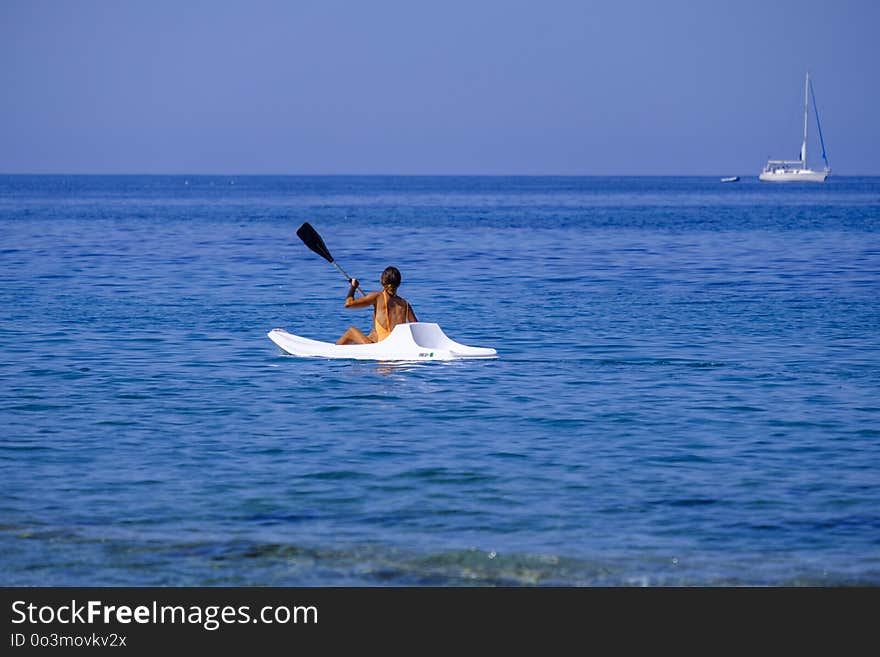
{"type": "Point", "coordinates": [390, 279]}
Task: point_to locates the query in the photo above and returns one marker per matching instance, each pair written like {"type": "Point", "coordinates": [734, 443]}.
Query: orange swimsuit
{"type": "Point", "coordinates": [381, 331]}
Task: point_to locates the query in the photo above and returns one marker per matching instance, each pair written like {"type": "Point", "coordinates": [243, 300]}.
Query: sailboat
{"type": "Point", "coordinates": [797, 170]}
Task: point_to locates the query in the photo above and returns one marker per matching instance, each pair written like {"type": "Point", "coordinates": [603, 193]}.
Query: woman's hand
{"type": "Point", "coordinates": [350, 296]}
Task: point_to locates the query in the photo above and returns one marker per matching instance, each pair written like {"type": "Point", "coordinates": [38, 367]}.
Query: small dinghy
{"type": "Point", "coordinates": [407, 342]}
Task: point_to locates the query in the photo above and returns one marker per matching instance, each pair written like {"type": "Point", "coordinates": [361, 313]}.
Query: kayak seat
{"type": "Point", "coordinates": [428, 335]}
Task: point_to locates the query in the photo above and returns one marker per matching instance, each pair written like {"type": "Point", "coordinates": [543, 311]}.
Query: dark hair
{"type": "Point", "coordinates": [390, 278]}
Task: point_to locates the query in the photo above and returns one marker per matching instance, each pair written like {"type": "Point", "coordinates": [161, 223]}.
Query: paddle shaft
{"type": "Point", "coordinates": [347, 277]}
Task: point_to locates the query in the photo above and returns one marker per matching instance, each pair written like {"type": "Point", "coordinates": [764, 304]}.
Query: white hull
{"type": "Point", "coordinates": [800, 175]}
{"type": "Point", "coordinates": [407, 342]}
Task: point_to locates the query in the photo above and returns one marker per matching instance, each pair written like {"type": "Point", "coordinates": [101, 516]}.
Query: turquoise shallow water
{"type": "Point", "coordinates": [686, 393]}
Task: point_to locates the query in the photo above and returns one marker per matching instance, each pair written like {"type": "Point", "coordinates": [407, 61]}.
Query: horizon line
{"type": "Point", "coordinates": [416, 175]}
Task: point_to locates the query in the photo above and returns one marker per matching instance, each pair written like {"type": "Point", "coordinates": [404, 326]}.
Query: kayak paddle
{"type": "Point", "coordinates": [312, 239]}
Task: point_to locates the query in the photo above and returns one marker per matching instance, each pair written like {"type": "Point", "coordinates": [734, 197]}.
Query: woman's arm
{"type": "Point", "coordinates": [363, 302]}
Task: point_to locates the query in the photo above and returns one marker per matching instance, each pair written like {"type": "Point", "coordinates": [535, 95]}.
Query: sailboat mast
{"type": "Point", "coordinates": [806, 109]}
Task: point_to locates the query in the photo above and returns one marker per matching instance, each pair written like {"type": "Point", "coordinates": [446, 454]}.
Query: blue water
{"type": "Point", "coordinates": [687, 393]}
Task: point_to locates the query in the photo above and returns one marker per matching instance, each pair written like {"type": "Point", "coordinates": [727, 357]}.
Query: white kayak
{"type": "Point", "coordinates": [413, 341]}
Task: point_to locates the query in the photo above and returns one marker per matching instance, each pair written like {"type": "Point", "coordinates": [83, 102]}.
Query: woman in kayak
{"type": "Point", "coordinates": [389, 310]}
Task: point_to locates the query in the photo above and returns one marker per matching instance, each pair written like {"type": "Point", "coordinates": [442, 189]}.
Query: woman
{"type": "Point", "coordinates": [389, 310]}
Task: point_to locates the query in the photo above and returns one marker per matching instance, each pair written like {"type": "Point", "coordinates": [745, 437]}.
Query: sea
{"type": "Point", "coordinates": [686, 393]}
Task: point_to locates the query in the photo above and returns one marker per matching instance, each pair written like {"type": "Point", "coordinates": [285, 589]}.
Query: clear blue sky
{"type": "Point", "coordinates": [412, 87]}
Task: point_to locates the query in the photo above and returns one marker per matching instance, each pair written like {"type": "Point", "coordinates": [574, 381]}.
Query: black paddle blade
{"type": "Point", "coordinates": [312, 240]}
